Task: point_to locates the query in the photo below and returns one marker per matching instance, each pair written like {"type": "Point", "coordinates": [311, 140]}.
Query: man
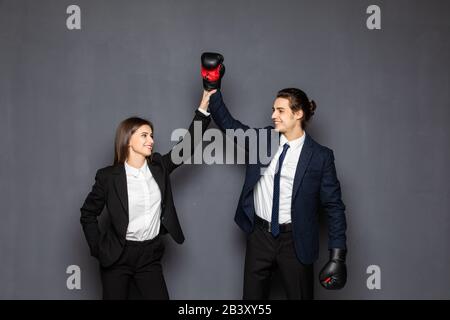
{"type": "Point", "coordinates": [278, 207]}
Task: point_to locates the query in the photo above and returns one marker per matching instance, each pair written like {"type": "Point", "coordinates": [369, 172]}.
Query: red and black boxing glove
{"type": "Point", "coordinates": [212, 70]}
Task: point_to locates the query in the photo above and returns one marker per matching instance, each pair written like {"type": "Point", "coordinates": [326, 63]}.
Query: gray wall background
{"type": "Point", "coordinates": [383, 107]}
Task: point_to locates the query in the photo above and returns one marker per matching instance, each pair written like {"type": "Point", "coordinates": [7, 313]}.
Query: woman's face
{"type": "Point", "coordinates": [141, 142]}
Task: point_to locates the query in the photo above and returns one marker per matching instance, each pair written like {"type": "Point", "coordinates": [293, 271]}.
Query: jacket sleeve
{"type": "Point", "coordinates": [224, 120]}
{"type": "Point", "coordinates": [177, 156]}
{"type": "Point", "coordinates": [91, 209]}
{"type": "Point", "coordinates": [222, 117]}
{"type": "Point", "coordinates": [330, 198]}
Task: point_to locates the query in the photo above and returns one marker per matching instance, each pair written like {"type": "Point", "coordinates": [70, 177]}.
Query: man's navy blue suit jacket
{"type": "Point", "coordinates": [315, 185]}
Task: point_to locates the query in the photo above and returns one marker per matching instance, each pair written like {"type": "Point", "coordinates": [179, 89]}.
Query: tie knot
{"type": "Point", "coordinates": [285, 147]}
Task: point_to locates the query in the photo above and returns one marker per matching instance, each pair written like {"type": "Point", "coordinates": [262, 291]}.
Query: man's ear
{"type": "Point", "coordinates": [298, 114]}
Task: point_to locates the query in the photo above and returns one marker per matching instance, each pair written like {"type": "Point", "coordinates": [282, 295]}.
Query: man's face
{"type": "Point", "coordinates": [283, 118]}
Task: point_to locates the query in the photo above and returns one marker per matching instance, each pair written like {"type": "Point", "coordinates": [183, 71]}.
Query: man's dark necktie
{"type": "Point", "coordinates": [275, 226]}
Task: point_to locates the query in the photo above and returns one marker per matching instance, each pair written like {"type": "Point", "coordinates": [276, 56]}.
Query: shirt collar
{"type": "Point", "coordinates": [135, 171]}
{"type": "Point", "coordinates": [293, 144]}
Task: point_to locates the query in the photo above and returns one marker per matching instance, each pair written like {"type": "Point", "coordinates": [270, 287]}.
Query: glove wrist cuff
{"type": "Point", "coordinates": [338, 254]}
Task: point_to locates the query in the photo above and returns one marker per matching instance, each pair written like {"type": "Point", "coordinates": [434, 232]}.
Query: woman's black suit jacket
{"type": "Point", "coordinates": [110, 190]}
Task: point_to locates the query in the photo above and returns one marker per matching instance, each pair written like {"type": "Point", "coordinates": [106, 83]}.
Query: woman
{"type": "Point", "coordinates": [137, 194]}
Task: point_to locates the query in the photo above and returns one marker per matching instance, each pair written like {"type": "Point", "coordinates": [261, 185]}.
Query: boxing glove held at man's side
{"type": "Point", "coordinates": [333, 275]}
{"type": "Point", "coordinates": [212, 70]}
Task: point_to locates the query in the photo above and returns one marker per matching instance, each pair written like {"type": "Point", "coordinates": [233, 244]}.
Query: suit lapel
{"type": "Point", "coordinates": [305, 157]}
{"type": "Point", "coordinates": [120, 183]}
{"type": "Point", "coordinates": [262, 167]}
{"type": "Point", "coordinates": [269, 147]}
{"type": "Point", "coordinates": [158, 175]}
{"type": "Point", "coordinates": [259, 168]}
